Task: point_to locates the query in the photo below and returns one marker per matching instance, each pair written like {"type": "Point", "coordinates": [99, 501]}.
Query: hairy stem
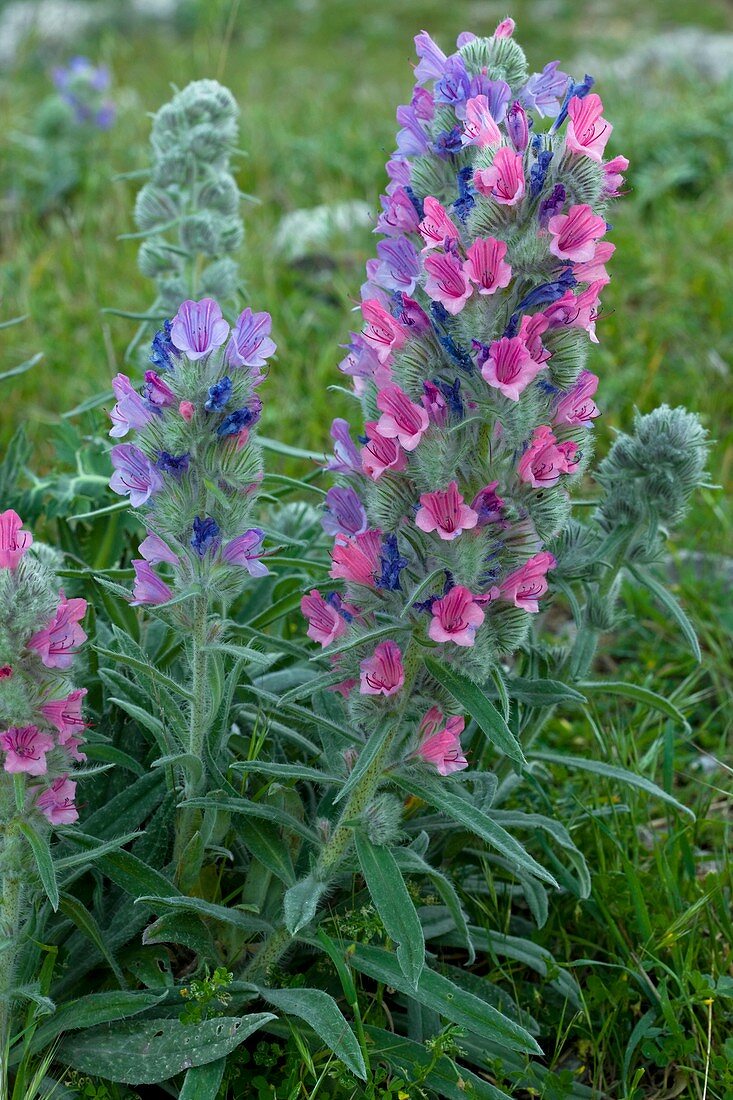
{"type": "Point", "coordinates": [188, 818]}
{"type": "Point", "coordinates": [11, 907]}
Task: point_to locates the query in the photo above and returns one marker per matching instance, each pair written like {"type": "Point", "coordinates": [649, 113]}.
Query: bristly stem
{"type": "Point", "coordinates": [11, 905]}
{"type": "Point", "coordinates": [338, 844]}
{"type": "Point", "coordinates": [197, 733]}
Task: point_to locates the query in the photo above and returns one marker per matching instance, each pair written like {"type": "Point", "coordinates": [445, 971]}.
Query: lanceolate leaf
{"type": "Point", "coordinates": [637, 694]}
{"type": "Point", "coordinates": [668, 601]}
{"type": "Point", "coordinates": [325, 1017]}
{"type": "Point", "coordinates": [227, 915]}
{"type": "Point", "coordinates": [94, 1009]}
{"type": "Point", "coordinates": [393, 903]}
{"type": "Point", "coordinates": [471, 697]}
{"type": "Point", "coordinates": [471, 818]}
{"type": "Point", "coordinates": [409, 860]}
{"type": "Point", "coordinates": [445, 1079]}
{"type": "Point", "coordinates": [611, 771]}
{"type": "Point", "coordinates": [44, 861]}
{"type": "Point", "coordinates": [203, 1082]}
{"type": "Point", "coordinates": [150, 1051]}
{"type": "Point", "coordinates": [442, 996]}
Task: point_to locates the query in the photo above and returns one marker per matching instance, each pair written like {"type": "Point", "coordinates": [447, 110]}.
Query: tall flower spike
{"type": "Point", "coordinates": [470, 368]}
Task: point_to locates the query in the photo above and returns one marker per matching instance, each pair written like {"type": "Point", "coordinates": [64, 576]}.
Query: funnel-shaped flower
{"type": "Point", "coordinates": [383, 672]}
{"type": "Point", "coordinates": [56, 644]}
{"type": "Point", "coordinates": [445, 512]}
{"type": "Point", "coordinates": [13, 540]}
{"type": "Point", "coordinates": [455, 618]}
{"type": "Point", "coordinates": [588, 132]}
{"type": "Point", "coordinates": [440, 743]}
{"type": "Point", "coordinates": [198, 328]}
{"type": "Point", "coordinates": [25, 749]}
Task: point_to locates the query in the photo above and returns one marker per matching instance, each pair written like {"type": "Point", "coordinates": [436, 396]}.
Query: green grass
{"type": "Point", "coordinates": [318, 83]}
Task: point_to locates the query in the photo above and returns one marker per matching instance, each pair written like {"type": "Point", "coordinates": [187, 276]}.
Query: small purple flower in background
{"type": "Point", "coordinates": [148, 588]}
{"type": "Point", "coordinates": [155, 550]}
{"type": "Point", "coordinates": [81, 85]}
{"type": "Point", "coordinates": [198, 328]}
{"type": "Point", "coordinates": [544, 91]}
{"type": "Point", "coordinates": [246, 550]}
{"type": "Point", "coordinates": [431, 65]}
{"type": "Point", "coordinates": [251, 344]}
{"type": "Point", "coordinates": [205, 535]}
{"type": "Point", "coordinates": [131, 410]}
{"type": "Point", "coordinates": [345, 513]}
{"type": "Point", "coordinates": [134, 476]}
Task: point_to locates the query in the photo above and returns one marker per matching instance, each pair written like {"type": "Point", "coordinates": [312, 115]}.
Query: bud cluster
{"type": "Point", "coordinates": [194, 467]}
{"type": "Point", "coordinates": [189, 210]}
{"type": "Point", "coordinates": [41, 724]}
{"type": "Point", "coordinates": [470, 370]}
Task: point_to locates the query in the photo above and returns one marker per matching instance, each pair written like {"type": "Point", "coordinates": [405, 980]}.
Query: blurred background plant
{"type": "Point", "coordinates": [651, 947]}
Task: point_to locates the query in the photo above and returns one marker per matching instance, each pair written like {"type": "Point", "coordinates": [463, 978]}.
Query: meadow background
{"type": "Point", "coordinates": [318, 82]}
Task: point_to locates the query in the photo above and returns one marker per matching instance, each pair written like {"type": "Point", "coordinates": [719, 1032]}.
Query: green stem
{"type": "Point", "coordinates": [188, 819]}
{"type": "Point", "coordinates": [338, 844]}
{"type": "Point", "coordinates": [11, 907]}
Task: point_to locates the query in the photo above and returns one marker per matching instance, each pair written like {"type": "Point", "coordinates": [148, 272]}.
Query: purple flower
{"type": "Point", "coordinates": [134, 476]}
{"type": "Point", "coordinates": [448, 143]}
{"type": "Point", "coordinates": [205, 534]}
{"type": "Point", "coordinates": [544, 91]}
{"type": "Point", "coordinates": [413, 316]}
{"type": "Point", "coordinates": [497, 92]}
{"type": "Point", "coordinates": [399, 173]}
{"type": "Point", "coordinates": [488, 504]}
{"type": "Point", "coordinates": [423, 103]}
{"type": "Point", "coordinates": [246, 550]}
{"type": "Point", "coordinates": [454, 86]}
{"type": "Point", "coordinates": [552, 205]}
{"type": "Point", "coordinates": [538, 172]}
{"type": "Point", "coordinates": [156, 390]}
{"type": "Point", "coordinates": [131, 410]}
{"type": "Point", "coordinates": [148, 588]}
{"type": "Point", "coordinates": [163, 349]}
{"type": "Point", "coordinates": [250, 344]}
{"type": "Point", "coordinates": [432, 59]}
{"type": "Point", "coordinates": [172, 464]}
{"type": "Point", "coordinates": [517, 127]}
{"type": "Point", "coordinates": [399, 266]}
{"type": "Point", "coordinates": [346, 458]}
{"type": "Point", "coordinates": [153, 549]}
{"type": "Point", "coordinates": [219, 394]}
{"type": "Point", "coordinates": [398, 214]}
{"type": "Point", "coordinates": [198, 328]}
{"type": "Point", "coordinates": [392, 564]}
{"type": "Point", "coordinates": [411, 138]}
{"type": "Point", "coordinates": [345, 513]}
{"type": "Point", "coordinates": [240, 419]}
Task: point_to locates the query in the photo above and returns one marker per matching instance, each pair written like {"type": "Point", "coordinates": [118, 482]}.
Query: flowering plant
{"type": "Point", "coordinates": [41, 739]}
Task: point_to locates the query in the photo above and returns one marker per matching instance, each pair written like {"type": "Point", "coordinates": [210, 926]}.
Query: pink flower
{"type": "Point", "coordinates": [447, 282]}
{"type": "Point", "coordinates": [456, 618]}
{"type": "Point", "coordinates": [576, 311]}
{"type": "Point", "coordinates": [65, 714]}
{"type": "Point", "coordinates": [56, 643]}
{"type": "Point", "coordinates": [156, 391]}
{"type": "Point", "coordinates": [381, 454]}
{"type": "Point", "coordinates": [613, 171]}
{"type": "Point", "coordinates": [326, 623]}
{"type": "Point", "coordinates": [578, 407]}
{"type": "Point", "coordinates": [357, 559]}
{"type": "Point", "coordinates": [444, 511]}
{"type": "Point", "coordinates": [594, 270]}
{"type": "Point", "coordinates": [148, 587]}
{"type": "Point", "coordinates": [13, 541]}
{"type": "Point", "coordinates": [398, 214]}
{"type": "Point", "coordinates": [382, 673]}
{"type": "Point", "coordinates": [57, 802]}
{"type": "Point", "coordinates": [509, 368]}
{"type": "Point", "coordinates": [382, 332]}
{"type": "Point", "coordinates": [187, 409]}
{"type": "Point", "coordinates": [587, 132]}
{"type": "Point", "coordinates": [131, 410]}
{"type": "Point", "coordinates": [575, 233]}
{"type": "Point", "coordinates": [436, 227]}
{"type": "Point", "coordinates": [545, 460]}
{"type": "Point", "coordinates": [505, 29]}
{"type": "Point", "coordinates": [25, 749]}
{"type": "Point", "coordinates": [480, 128]}
{"type": "Point", "coordinates": [504, 180]}
{"type": "Point", "coordinates": [441, 747]}
{"type": "Point", "coordinates": [525, 585]}
{"type": "Point", "coordinates": [486, 265]}
{"type": "Point", "coordinates": [530, 331]}
{"type": "Point", "coordinates": [401, 419]}
{"type": "Point", "coordinates": [198, 328]}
